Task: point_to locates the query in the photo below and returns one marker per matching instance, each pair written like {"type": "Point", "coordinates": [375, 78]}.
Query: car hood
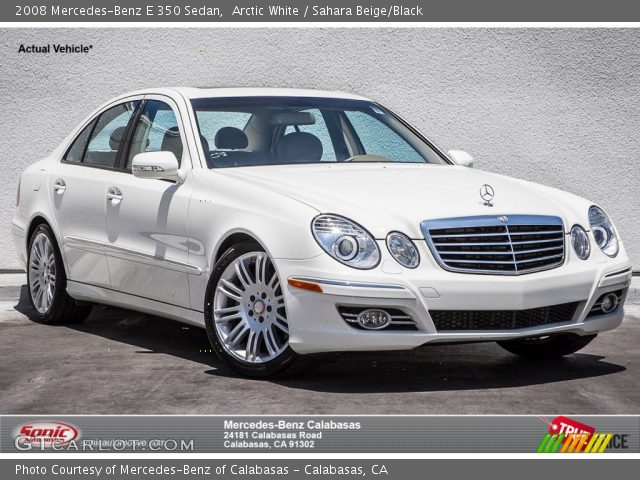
{"type": "Point", "coordinates": [388, 197]}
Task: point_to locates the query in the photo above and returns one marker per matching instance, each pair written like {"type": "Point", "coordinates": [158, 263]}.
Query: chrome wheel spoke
{"type": "Point", "coordinates": [228, 314]}
{"type": "Point", "coordinates": [242, 273]}
{"type": "Point", "coordinates": [232, 287]}
{"type": "Point", "coordinates": [237, 334]}
{"type": "Point", "coordinates": [251, 351]}
{"type": "Point", "coordinates": [281, 323]}
{"type": "Point", "coordinates": [270, 342]}
{"type": "Point", "coordinates": [261, 269]}
{"type": "Point", "coordinates": [249, 311]}
{"type": "Point", "coordinates": [223, 289]}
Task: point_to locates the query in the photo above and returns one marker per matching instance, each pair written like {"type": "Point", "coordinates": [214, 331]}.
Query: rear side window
{"type": "Point", "coordinates": [76, 151]}
{"type": "Point", "coordinates": [108, 135]}
{"type": "Point", "coordinates": [157, 130]}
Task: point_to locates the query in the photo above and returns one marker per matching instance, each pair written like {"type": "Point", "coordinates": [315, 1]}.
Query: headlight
{"type": "Point", "coordinates": [603, 231]}
{"type": "Point", "coordinates": [580, 242]}
{"type": "Point", "coordinates": [403, 250]}
{"type": "Point", "coordinates": [346, 241]}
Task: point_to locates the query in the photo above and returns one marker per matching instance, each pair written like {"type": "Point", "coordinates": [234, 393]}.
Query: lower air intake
{"type": "Point", "coordinates": [448, 320]}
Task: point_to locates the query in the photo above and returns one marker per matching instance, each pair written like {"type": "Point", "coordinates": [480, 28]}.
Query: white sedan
{"type": "Point", "coordinates": [293, 222]}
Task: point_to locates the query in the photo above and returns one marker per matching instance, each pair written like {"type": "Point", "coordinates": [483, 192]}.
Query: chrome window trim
{"type": "Point", "coordinates": [493, 221]}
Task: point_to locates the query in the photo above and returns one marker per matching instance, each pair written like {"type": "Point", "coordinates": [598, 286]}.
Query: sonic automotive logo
{"type": "Point", "coordinates": [570, 436]}
{"type": "Point", "coordinates": [45, 434]}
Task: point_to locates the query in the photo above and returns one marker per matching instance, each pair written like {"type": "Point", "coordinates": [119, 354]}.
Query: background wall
{"type": "Point", "coordinates": [559, 107]}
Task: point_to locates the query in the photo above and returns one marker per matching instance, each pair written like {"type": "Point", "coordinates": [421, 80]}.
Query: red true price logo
{"type": "Point", "coordinates": [569, 427]}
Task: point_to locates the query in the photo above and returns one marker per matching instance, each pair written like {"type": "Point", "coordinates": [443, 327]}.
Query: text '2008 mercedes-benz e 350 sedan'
{"type": "Point", "coordinates": [292, 222]}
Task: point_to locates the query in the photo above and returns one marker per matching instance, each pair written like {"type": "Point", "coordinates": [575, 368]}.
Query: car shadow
{"type": "Point", "coordinates": [427, 369]}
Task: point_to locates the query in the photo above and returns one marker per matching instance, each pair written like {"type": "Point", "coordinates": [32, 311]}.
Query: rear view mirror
{"type": "Point", "coordinates": [292, 118]}
{"type": "Point", "coordinates": [158, 165]}
{"type": "Point", "coordinates": [460, 157]}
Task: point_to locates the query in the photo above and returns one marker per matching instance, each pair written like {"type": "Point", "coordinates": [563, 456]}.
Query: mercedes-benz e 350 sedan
{"type": "Point", "coordinates": [292, 222]}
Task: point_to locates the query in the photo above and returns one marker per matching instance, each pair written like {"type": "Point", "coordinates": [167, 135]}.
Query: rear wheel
{"type": "Point", "coordinates": [550, 346]}
{"type": "Point", "coordinates": [47, 282]}
{"type": "Point", "coordinates": [246, 316]}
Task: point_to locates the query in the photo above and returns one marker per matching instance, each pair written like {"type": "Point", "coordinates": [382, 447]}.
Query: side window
{"type": "Point", "coordinates": [320, 130]}
{"type": "Point", "coordinates": [76, 151]}
{"type": "Point", "coordinates": [157, 130]}
{"type": "Point", "coordinates": [378, 139]}
{"type": "Point", "coordinates": [109, 135]}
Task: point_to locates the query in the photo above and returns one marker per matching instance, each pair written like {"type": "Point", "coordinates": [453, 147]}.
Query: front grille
{"type": "Point", "coordinates": [499, 245]}
{"type": "Point", "coordinates": [445, 320]}
{"type": "Point", "coordinates": [399, 319]}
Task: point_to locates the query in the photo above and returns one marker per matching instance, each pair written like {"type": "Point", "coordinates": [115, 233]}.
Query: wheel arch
{"type": "Point", "coordinates": [232, 238]}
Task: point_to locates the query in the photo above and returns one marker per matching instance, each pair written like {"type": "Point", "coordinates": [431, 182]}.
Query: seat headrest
{"type": "Point", "coordinates": [116, 138]}
{"type": "Point", "coordinates": [171, 142]}
{"type": "Point", "coordinates": [298, 147]}
{"type": "Point", "coordinates": [231, 138]}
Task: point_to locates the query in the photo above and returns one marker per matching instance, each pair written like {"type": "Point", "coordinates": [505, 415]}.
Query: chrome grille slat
{"type": "Point", "coordinates": [539, 259]}
{"type": "Point", "coordinates": [527, 242]}
{"type": "Point", "coordinates": [471, 244]}
{"type": "Point", "coordinates": [488, 244]}
{"type": "Point", "coordinates": [469, 235]}
{"type": "Point", "coordinates": [460, 260]}
{"type": "Point", "coordinates": [496, 252]}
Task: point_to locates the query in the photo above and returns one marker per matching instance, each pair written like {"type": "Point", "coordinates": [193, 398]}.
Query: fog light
{"type": "Point", "coordinates": [609, 303]}
{"type": "Point", "coordinates": [374, 319]}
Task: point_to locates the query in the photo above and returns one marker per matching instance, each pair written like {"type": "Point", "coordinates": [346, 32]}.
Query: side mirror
{"type": "Point", "coordinates": [462, 158]}
{"type": "Point", "coordinates": [158, 165]}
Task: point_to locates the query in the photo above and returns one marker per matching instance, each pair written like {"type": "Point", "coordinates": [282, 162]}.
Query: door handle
{"type": "Point", "coordinates": [59, 186]}
{"type": "Point", "coordinates": [114, 194]}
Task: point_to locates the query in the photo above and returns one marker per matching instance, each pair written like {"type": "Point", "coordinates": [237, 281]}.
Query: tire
{"type": "Point", "coordinates": [47, 282]}
{"type": "Point", "coordinates": [552, 346]}
{"type": "Point", "coordinates": [245, 314]}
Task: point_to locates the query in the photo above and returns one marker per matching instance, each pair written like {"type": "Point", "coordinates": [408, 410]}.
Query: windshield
{"type": "Point", "coordinates": [252, 131]}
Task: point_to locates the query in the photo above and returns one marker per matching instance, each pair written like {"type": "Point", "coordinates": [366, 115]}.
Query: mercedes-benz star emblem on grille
{"type": "Point", "coordinates": [487, 194]}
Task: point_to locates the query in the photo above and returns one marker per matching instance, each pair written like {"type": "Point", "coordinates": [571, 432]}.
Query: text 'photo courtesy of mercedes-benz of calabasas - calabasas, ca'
{"type": "Point", "coordinates": [291, 222]}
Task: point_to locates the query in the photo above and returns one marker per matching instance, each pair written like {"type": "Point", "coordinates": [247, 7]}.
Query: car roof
{"type": "Point", "coordinates": [206, 92]}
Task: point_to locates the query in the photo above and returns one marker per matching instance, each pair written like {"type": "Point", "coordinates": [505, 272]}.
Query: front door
{"type": "Point", "coordinates": [146, 219]}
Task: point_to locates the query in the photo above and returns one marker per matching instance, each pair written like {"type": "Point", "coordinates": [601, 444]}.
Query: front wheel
{"type": "Point", "coordinates": [550, 346]}
{"type": "Point", "coordinates": [245, 313]}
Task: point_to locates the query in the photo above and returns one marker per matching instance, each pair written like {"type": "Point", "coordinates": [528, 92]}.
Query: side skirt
{"type": "Point", "coordinates": [91, 293]}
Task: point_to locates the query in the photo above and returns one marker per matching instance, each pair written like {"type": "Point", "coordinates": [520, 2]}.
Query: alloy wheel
{"type": "Point", "coordinates": [42, 273]}
{"type": "Point", "coordinates": [248, 309]}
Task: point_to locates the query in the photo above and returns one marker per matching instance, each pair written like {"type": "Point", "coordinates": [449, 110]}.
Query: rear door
{"type": "Point", "coordinates": [78, 189]}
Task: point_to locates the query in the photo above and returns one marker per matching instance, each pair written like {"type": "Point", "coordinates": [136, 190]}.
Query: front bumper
{"type": "Point", "coordinates": [315, 324]}
{"type": "Point", "coordinates": [19, 241]}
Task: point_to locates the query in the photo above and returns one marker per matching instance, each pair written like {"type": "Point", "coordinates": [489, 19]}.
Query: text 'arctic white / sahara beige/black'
{"type": "Point", "coordinates": [293, 222]}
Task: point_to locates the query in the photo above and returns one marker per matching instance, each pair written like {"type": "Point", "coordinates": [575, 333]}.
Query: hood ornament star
{"type": "Point", "coordinates": [487, 194]}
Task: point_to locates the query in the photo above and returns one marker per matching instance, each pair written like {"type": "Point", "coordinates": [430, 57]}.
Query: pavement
{"type": "Point", "coordinates": [122, 362]}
